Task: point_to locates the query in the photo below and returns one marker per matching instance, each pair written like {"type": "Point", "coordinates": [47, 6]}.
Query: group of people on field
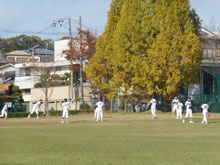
{"type": "Point", "coordinates": [177, 107]}
{"type": "Point", "coordinates": [65, 106]}
{"type": "Point", "coordinates": [98, 112]}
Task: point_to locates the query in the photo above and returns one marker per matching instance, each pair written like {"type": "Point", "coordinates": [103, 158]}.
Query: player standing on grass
{"type": "Point", "coordinates": [153, 103]}
{"type": "Point", "coordinates": [65, 106]}
{"type": "Point", "coordinates": [175, 102]}
{"type": "Point", "coordinates": [188, 105]}
{"type": "Point", "coordinates": [4, 109]}
{"type": "Point", "coordinates": [99, 110]}
{"type": "Point", "coordinates": [179, 110]}
{"type": "Point", "coordinates": [36, 108]}
{"type": "Point", "coordinates": [205, 108]}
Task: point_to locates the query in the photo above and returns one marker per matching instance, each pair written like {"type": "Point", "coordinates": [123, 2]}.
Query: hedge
{"type": "Point", "coordinates": [22, 114]}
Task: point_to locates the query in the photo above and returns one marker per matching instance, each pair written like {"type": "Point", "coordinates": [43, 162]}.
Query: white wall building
{"type": "Point", "coordinates": [27, 75]}
{"type": "Point", "coordinates": [59, 47]}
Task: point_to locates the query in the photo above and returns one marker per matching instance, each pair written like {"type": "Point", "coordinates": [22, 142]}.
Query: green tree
{"type": "Point", "coordinates": [152, 49]}
{"type": "Point", "coordinates": [195, 20]}
{"type": "Point", "coordinates": [175, 52]}
{"type": "Point", "coordinates": [129, 48]}
{"type": "Point", "coordinates": [16, 93]}
{"type": "Point", "coordinates": [23, 42]}
{"type": "Point", "coordinates": [100, 67]}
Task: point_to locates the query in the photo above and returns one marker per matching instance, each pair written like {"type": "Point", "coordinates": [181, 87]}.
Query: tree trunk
{"type": "Point", "coordinates": [125, 103]}
{"type": "Point", "coordinates": [46, 102]}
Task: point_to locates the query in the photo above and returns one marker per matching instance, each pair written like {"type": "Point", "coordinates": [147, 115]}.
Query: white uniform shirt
{"type": "Point", "coordinates": [37, 105]}
{"type": "Point", "coordinates": [66, 105]}
{"type": "Point", "coordinates": [153, 102]}
{"type": "Point", "coordinates": [99, 105]}
{"type": "Point", "coordinates": [179, 106]}
{"type": "Point", "coordinates": [205, 107]}
{"type": "Point", "coordinates": [175, 102]}
{"type": "Point", "coordinates": [188, 104]}
{"type": "Point", "coordinates": [5, 108]}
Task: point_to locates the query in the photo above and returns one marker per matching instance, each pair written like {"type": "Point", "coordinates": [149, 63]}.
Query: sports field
{"type": "Point", "coordinates": [121, 139]}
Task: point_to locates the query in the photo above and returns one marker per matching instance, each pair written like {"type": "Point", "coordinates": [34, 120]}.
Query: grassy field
{"type": "Point", "coordinates": [121, 139]}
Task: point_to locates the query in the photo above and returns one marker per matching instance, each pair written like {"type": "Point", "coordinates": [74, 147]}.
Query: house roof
{"type": "Point", "coordinates": [6, 64]}
{"type": "Point", "coordinates": [39, 50]}
{"type": "Point", "coordinates": [18, 53]}
{"type": "Point", "coordinates": [4, 87]}
{"type": "Point", "coordinates": [205, 33]}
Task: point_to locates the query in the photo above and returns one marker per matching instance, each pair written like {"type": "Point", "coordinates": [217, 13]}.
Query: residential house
{"type": "Point", "coordinates": [35, 54]}
{"type": "Point", "coordinates": [210, 67]}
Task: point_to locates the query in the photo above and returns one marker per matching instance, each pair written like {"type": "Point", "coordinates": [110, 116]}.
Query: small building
{"type": "Point", "coordinates": [210, 67]}
{"type": "Point", "coordinates": [35, 54]}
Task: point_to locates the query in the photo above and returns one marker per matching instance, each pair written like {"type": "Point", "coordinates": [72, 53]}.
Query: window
{"type": "Point", "coordinates": [26, 91]}
{"type": "Point", "coordinates": [58, 68]}
{"type": "Point", "coordinates": [17, 72]}
{"type": "Point", "coordinates": [27, 71]}
{"type": "Point", "coordinates": [21, 59]}
{"type": "Point", "coordinates": [11, 59]}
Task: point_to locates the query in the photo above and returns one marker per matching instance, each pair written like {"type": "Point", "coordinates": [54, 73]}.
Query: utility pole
{"type": "Point", "coordinates": [81, 65]}
{"type": "Point", "coordinates": [71, 59]}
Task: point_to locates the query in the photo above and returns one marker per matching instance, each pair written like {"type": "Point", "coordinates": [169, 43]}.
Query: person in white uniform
{"type": "Point", "coordinates": [153, 103]}
{"type": "Point", "coordinates": [179, 110]}
{"type": "Point", "coordinates": [36, 108]}
{"type": "Point", "coordinates": [65, 106]}
{"type": "Point", "coordinates": [99, 110]}
{"type": "Point", "coordinates": [205, 108]}
{"type": "Point", "coordinates": [175, 102]}
{"type": "Point", "coordinates": [188, 105]}
{"type": "Point", "coordinates": [4, 111]}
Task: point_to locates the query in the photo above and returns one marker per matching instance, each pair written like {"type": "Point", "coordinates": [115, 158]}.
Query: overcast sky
{"type": "Point", "coordinates": [37, 15]}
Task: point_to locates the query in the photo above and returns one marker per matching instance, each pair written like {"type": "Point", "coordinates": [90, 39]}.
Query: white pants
{"type": "Point", "coordinates": [65, 114]}
{"type": "Point", "coordinates": [4, 113]}
{"type": "Point", "coordinates": [153, 111]}
{"type": "Point", "coordinates": [179, 114]}
{"type": "Point", "coordinates": [95, 114]}
{"type": "Point", "coordinates": [188, 113]}
{"type": "Point", "coordinates": [33, 110]}
{"type": "Point", "coordinates": [174, 108]}
{"type": "Point", "coordinates": [99, 114]}
{"type": "Point", "coordinates": [204, 117]}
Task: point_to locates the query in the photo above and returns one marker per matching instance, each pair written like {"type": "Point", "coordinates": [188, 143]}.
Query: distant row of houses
{"type": "Point", "coordinates": [17, 67]}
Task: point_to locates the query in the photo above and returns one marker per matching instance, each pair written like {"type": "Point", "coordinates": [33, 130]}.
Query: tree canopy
{"type": "Point", "coordinates": [23, 42]}
{"type": "Point", "coordinates": [148, 48]}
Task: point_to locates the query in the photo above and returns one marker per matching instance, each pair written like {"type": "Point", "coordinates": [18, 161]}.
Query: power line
{"type": "Point", "coordinates": [58, 23]}
{"type": "Point", "coordinates": [29, 32]}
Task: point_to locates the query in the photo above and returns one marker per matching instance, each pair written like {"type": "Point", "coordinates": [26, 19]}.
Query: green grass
{"type": "Point", "coordinates": [122, 139]}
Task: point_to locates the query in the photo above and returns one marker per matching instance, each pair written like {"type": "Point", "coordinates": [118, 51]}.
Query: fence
{"type": "Point", "coordinates": [116, 105]}
{"type": "Point", "coordinates": [165, 105]}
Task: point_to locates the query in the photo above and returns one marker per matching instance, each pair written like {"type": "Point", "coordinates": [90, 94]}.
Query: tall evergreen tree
{"type": "Point", "coordinates": [175, 52]}
{"type": "Point", "coordinates": [100, 67]}
{"type": "Point", "coordinates": [148, 48]}
{"type": "Point", "coordinates": [129, 47]}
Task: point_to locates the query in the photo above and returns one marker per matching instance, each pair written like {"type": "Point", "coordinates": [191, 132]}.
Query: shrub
{"type": "Point", "coordinates": [84, 106]}
{"type": "Point", "coordinates": [22, 114]}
